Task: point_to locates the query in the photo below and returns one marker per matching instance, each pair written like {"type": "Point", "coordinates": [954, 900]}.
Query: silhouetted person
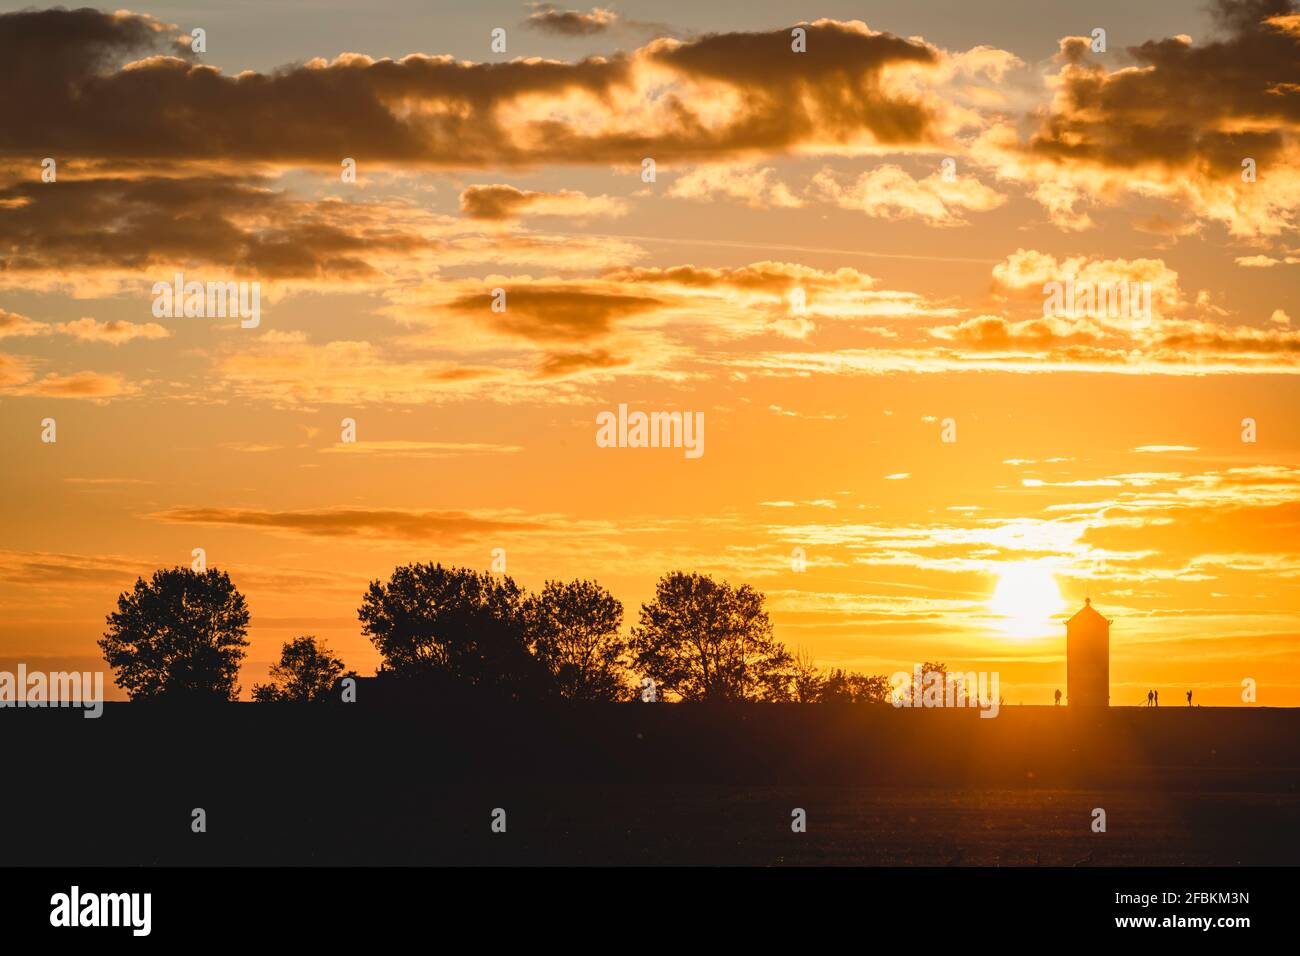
{"type": "Point", "coordinates": [1189, 698]}
{"type": "Point", "coordinates": [1058, 697]}
{"type": "Point", "coordinates": [1150, 696]}
{"type": "Point", "coordinates": [1157, 693]}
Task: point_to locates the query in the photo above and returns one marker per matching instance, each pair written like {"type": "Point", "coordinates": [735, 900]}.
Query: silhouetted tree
{"type": "Point", "coordinates": [705, 640]}
{"type": "Point", "coordinates": [456, 625]}
{"type": "Point", "coordinates": [808, 682]}
{"type": "Point", "coordinates": [847, 687]}
{"type": "Point", "coordinates": [573, 630]}
{"type": "Point", "coordinates": [306, 671]}
{"type": "Point", "coordinates": [930, 667]}
{"type": "Point", "coordinates": [835, 689]}
{"type": "Point", "coordinates": [870, 688]}
{"type": "Point", "coordinates": [180, 637]}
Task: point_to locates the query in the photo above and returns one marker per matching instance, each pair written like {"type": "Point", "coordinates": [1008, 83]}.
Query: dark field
{"type": "Point", "coordinates": [651, 784]}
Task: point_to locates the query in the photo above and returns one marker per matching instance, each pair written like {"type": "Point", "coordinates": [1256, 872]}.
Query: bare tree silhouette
{"type": "Point", "coordinates": [807, 684]}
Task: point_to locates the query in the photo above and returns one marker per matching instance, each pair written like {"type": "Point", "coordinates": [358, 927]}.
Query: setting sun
{"type": "Point", "coordinates": [1026, 597]}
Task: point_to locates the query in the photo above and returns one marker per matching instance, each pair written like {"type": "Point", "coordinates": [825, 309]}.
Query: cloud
{"type": "Point", "coordinates": [691, 321]}
{"type": "Point", "coordinates": [556, 311]}
{"type": "Point", "coordinates": [1147, 527]}
{"type": "Point", "coordinates": [683, 301]}
{"type": "Point", "coordinates": [1233, 511]}
{"type": "Point", "coordinates": [885, 192]}
{"type": "Point", "coordinates": [571, 23]}
{"type": "Point", "coordinates": [115, 332]}
{"type": "Point", "coordinates": [499, 202]}
{"type": "Point", "coordinates": [1029, 278]}
{"type": "Point", "coordinates": [135, 225]}
{"type": "Point", "coordinates": [1029, 269]}
{"type": "Point", "coordinates": [13, 325]}
{"type": "Point", "coordinates": [109, 482]}
{"type": "Point", "coordinates": [288, 370]}
{"type": "Point", "coordinates": [994, 333]}
{"type": "Point", "coordinates": [14, 370]}
{"type": "Point", "coordinates": [1160, 225]}
{"type": "Point", "coordinates": [889, 192]}
{"type": "Point", "coordinates": [760, 298]}
{"type": "Point", "coordinates": [432, 527]}
{"type": "Point", "coordinates": [25, 570]}
{"type": "Point", "coordinates": [111, 87]}
{"type": "Point", "coordinates": [99, 235]}
{"type": "Point", "coordinates": [1193, 359]}
{"type": "Point", "coordinates": [19, 381]}
{"type": "Point", "coordinates": [790, 413]}
{"type": "Point", "coordinates": [663, 323]}
{"type": "Point", "coordinates": [765, 277]}
{"type": "Point", "coordinates": [84, 329]}
{"type": "Point", "coordinates": [418, 449]}
{"type": "Point", "coordinates": [250, 447]}
{"type": "Point", "coordinates": [756, 187]}
{"type": "Point", "coordinates": [1114, 129]}
{"type": "Point", "coordinates": [1205, 336]}
{"type": "Point", "coordinates": [565, 364]}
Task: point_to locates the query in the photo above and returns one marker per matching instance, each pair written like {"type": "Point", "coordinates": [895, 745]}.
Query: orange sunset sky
{"type": "Point", "coordinates": [1094, 455]}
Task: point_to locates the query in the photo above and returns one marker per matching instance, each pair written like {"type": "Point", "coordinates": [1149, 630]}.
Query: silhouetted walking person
{"type": "Point", "coordinates": [1189, 698]}
{"type": "Point", "coordinates": [1058, 697]}
{"type": "Point", "coordinates": [1157, 693]}
{"type": "Point", "coordinates": [1150, 695]}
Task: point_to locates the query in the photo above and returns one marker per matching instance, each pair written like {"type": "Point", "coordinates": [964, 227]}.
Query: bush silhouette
{"type": "Point", "coordinates": [305, 672]}
{"type": "Point", "coordinates": [847, 687]}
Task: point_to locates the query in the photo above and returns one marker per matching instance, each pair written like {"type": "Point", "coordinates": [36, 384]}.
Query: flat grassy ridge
{"type": "Point", "coordinates": [650, 784]}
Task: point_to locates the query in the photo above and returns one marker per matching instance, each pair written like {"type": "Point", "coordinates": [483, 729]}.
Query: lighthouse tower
{"type": "Point", "coordinates": [1087, 658]}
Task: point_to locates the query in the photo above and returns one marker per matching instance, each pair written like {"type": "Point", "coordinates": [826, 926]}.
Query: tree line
{"type": "Point", "coordinates": [183, 635]}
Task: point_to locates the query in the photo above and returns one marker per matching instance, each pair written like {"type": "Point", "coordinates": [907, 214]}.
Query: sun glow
{"type": "Point", "coordinates": [1026, 598]}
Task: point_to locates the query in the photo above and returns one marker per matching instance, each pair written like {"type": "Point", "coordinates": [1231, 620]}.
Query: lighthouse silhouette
{"type": "Point", "coordinates": [1087, 658]}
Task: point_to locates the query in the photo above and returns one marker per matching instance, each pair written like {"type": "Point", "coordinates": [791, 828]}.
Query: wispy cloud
{"type": "Point", "coordinates": [378, 523]}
